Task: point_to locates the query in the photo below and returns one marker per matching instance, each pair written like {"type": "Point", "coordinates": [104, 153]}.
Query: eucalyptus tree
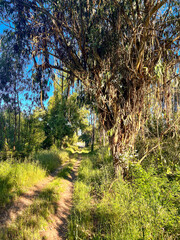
{"type": "Point", "coordinates": [111, 46]}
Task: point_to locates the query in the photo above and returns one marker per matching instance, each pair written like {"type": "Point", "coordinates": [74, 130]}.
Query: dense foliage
{"type": "Point", "coordinates": [145, 207]}
{"type": "Point", "coordinates": [112, 68]}
{"type": "Point", "coordinates": [117, 49]}
{"type": "Point", "coordinates": [58, 124]}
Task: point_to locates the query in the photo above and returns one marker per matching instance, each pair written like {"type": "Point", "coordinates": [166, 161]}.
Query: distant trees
{"type": "Point", "coordinates": [64, 116]}
{"type": "Point", "coordinates": [57, 124]}
{"type": "Point", "coordinates": [113, 47]}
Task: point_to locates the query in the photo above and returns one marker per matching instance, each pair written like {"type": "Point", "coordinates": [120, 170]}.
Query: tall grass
{"type": "Point", "coordinates": [30, 225]}
{"type": "Point", "coordinates": [16, 177]}
{"type": "Point", "coordinates": [145, 207]}
{"type": "Point", "coordinates": [51, 159]}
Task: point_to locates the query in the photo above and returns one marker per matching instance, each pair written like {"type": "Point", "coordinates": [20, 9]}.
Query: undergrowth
{"type": "Point", "coordinates": [144, 207]}
{"type": "Point", "coordinates": [51, 159]}
{"type": "Point", "coordinates": [30, 225]}
{"type": "Point", "coordinates": [16, 177]}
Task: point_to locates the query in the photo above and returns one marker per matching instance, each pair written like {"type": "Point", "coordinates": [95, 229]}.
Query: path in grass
{"type": "Point", "coordinates": [57, 230]}
{"type": "Point", "coordinates": [10, 213]}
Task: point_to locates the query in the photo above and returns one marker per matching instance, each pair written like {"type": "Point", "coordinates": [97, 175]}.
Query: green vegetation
{"type": "Point", "coordinates": [112, 72]}
{"type": "Point", "coordinates": [123, 56]}
{"type": "Point", "coordinates": [16, 177]}
{"type": "Point", "coordinates": [51, 159]}
{"type": "Point", "coordinates": [144, 207]}
{"type": "Point", "coordinates": [36, 216]}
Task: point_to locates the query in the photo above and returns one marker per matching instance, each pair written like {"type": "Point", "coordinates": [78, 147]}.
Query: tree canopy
{"type": "Point", "coordinates": [116, 48]}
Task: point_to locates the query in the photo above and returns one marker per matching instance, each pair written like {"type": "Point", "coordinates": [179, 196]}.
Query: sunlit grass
{"type": "Point", "coordinates": [36, 217]}
{"type": "Point", "coordinates": [16, 177]}
{"type": "Point", "coordinates": [146, 207]}
{"type": "Point", "coordinates": [51, 159]}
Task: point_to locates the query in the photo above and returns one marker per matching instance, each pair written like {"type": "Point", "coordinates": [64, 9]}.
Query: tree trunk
{"type": "Point", "coordinates": [117, 150]}
{"type": "Point", "coordinates": [121, 116]}
{"type": "Point", "coordinates": [19, 127]}
{"type": "Point", "coordinates": [62, 87]}
{"type": "Point", "coordinates": [9, 127]}
{"type": "Point", "coordinates": [104, 138]}
{"type": "Point", "coordinates": [15, 119]}
{"type": "Point", "coordinates": [15, 128]}
{"type": "Point", "coordinates": [93, 132]}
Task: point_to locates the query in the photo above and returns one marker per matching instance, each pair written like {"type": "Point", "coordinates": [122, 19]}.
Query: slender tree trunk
{"type": "Point", "coordinates": [62, 87]}
{"type": "Point", "coordinates": [101, 136]}
{"type": "Point", "coordinates": [19, 130]}
{"type": "Point", "coordinates": [93, 132]}
{"type": "Point", "coordinates": [19, 127]}
{"type": "Point", "coordinates": [15, 130]}
{"type": "Point", "coordinates": [9, 127]}
{"type": "Point", "coordinates": [29, 131]}
{"type": "Point", "coordinates": [104, 137]}
{"type": "Point", "coordinates": [15, 120]}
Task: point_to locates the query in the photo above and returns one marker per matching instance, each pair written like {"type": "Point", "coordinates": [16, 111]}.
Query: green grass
{"type": "Point", "coordinates": [17, 177]}
{"type": "Point", "coordinates": [36, 217]}
{"type": "Point", "coordinates": [64, 173]}
{"type": "Point", "coordinates": [51, 159]}
{"type": "Point", "coordinates": [145, 207]}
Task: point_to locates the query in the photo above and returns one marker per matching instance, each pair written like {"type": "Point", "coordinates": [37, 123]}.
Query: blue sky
{"type": "Point", "coordinates": [22, 99]}
{"type": "Point", "coordinates": [2, 27]}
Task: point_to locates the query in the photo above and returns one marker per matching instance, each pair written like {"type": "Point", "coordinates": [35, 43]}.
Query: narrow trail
{"type": "Point", "coordinates": [10, 213]}
{"type": "Point", "coordinates": [58, 228]}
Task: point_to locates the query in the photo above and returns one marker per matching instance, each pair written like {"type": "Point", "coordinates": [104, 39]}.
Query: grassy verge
{"type": "Point", "coordinates": [36, 217]}
{"type": "Point", "coordinates": [51, 159]}
{"type": "Point", "coordinates": [17, 177]}
{"type": "Point", "coordinates": [146, 207]}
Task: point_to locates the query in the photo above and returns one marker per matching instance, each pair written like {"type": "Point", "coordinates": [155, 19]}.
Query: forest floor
{"type": "Point", "coordinates": [57, 228]}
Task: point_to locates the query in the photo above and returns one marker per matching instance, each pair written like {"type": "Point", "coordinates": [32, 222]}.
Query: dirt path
{"type": "Point", "coordinates": [58, 228]}
{"type": "Point", "coordinates": [10, 214]}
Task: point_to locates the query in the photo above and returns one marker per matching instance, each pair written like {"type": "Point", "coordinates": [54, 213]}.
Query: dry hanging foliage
{"type": "Point", "coordinates": [119, 50]}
